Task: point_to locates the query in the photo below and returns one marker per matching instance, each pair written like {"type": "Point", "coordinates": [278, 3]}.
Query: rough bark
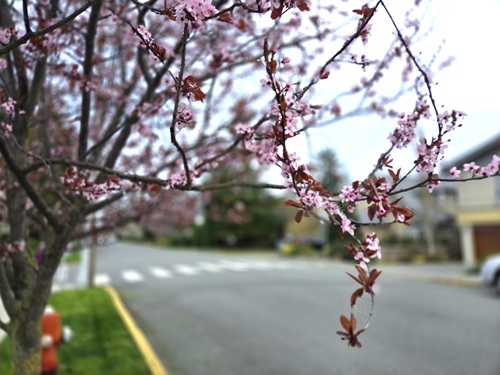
{"type": "Point", "coordinates": [25, 347]}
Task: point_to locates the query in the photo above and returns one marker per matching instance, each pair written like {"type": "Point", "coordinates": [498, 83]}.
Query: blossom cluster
{"type": "Point", "coordinates": [7, 34]}
{"type": "Point", "coordinates": [184, 117]}
{"type": "Point", "coordinates": [450, 120]}
{"type": "Point", "coordinates": [193, 11]}
{"type": "Point", "coordinates": [5, 127]}
{"type": "Point", "coordinates": [9, 105]}
{"type": "Point", "coordinates": [79, 183]}
{"type": "Point", "coordinates": [369, 249]}
{"type": "Point", "coordinates": [177, 179]}
{"type": "Point", "coordinates": [279, 6]}
{"type": "Point", "coordinates": [430, 155]}
{"type": "Point", "coordinates": [157, 52]}
{"type": "Point", "coordinates": [244, 130]}
{"type": "Point", "coordinates": [11, 248]}
{"type": "Point", "coordinates": [349, 194]}
{"type": "Point", "coordinates": [491, 169]}
{"type": "Point", "coordinates": [404, 134]}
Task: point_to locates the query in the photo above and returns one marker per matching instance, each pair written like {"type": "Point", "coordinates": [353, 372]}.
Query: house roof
{"type": "Point", "coordinates": [486, 149]}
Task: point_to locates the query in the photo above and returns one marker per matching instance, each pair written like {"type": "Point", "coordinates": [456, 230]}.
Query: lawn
{"type": "Point", "coordinates": [101, 345]}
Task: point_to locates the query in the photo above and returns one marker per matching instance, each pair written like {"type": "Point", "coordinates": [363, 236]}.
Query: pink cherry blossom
{"type": "Point", "coordinates": [9, 105]}
{"type": "Point", "coordinates": [455, 172]}
{"type": "Point", "coordinates": [349, 194]}
{"type": "Point", "coordinates": [431, 185]}
{"type": "Point", "coordinates": [361, 257]}
{"type": "Point", "coordinates": [191, 11]}
{"type": "Point", "coordinates": [471, 167]}
{"type": "Point", "coordinates": [347, 226]}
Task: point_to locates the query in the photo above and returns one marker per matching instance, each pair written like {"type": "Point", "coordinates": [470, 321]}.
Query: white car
{"type": "Point", "coordinates": [490, 272]}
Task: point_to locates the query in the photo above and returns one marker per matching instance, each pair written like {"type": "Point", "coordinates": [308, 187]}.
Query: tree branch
{"type": "Point", "coordinates": [417, 65]}
{"type": "Point", "coordinates": [30, 35]}
{"type": "Point", "coordinates": [6, 294]}
{"type": "Point", "coordinates": [30, 190]}
{"type": "Point", "coordinates": [176, 107]}
{"type": "Point", "coordinates": [87, 76]}
{"type": "Point", "coordinates": [26, 17]}
{"type": "Point", "coordinates": [347, 43]}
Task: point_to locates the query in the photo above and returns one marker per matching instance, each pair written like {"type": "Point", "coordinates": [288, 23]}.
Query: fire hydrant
{"type": "Point", "coordinates": [51, 338]}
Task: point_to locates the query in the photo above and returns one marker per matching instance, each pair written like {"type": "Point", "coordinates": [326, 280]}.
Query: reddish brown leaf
{"type": "Point", "coordinates": [346, 323]}
{"type": "Point", "coordinates": [354, 322]}
{"type": "Point", "coordinates": [365, 11]}
{"type": "Point", "coordinates": [276, 13]}
{"type": "Point", "coordinates": [372, 210]}
{"type": "Point", "coordinates": [360, 269]}
{"type": "Point", "coordinates": [299, 215]}
{"type": "Point", "coordinates": [357, 293]}
{"type": "Point", "coordinates": [355, 278]}
{"type": "Point", "coordinates": [302, 6]}
{"type": "Point", "coordinates": [190, 85]}
{"type": "Point", "coordinates": [272, 66]}
{"type": "Point", "coordinates": [226, 17]}
{"type": "Point", "coordinates": [374, 274]}
{"type": "Point", "coordinates": [292, 203]}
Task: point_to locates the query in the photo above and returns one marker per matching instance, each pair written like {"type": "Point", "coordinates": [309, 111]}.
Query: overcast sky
{"type": "Point", "coordinates": [471, 84]}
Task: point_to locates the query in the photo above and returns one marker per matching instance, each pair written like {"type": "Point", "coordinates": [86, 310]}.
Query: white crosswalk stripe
{"type": "Point", "coordinates": [281, 266]}
{"type": "Point", "coordinates": [132, 276]}
{"type": "Point", "coordinates": [233, 265]}
{"type": "Point", "coordinates": [102, 279]}
{"type": "Point", "coordinates": [160, 272]}
{"type": "Point", "coordinates": [200, 267]}
{"type": "Point", "coordinates": [185, 269]}
{"type": "Point", "coordinates": [209, 267]}
{"type": "Point", "coordinates": [260, 265]}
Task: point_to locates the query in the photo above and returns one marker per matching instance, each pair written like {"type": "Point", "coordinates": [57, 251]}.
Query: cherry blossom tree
{"type": "Point", "coordinates": [125, 108]}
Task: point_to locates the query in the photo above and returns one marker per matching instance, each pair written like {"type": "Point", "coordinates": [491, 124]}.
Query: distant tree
{"type": "Point", "coordinates": [329, 170]}
{"type": "Point", "coordinates": [240, 217]}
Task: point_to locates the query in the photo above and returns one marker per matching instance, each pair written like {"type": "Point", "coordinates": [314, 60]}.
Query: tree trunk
{"type": "Point", "coordinates": [25, 341]}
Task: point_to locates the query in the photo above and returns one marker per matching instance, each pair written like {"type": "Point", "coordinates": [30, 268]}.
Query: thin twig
{"type": "Point", "coordinates": [30, 35]}
{"type": "Point", "coordinates": [178, 87]}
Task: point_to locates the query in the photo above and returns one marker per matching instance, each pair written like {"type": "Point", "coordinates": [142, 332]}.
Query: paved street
{"type": "Point", "coordinates": [243, 315]}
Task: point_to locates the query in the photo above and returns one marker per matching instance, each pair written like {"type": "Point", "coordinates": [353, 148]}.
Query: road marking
{"type": "Point", "coordinates": [260, 265]}
{"type": "Point", "coordinates": [185, 269]}
{"type": "Point", "coordinates": [281, 266]}
{"type": "Point", "coordinates": [132, 276]}
{"type": "Point", "coordinates": [233, 265]}
{"type": "Point", "coordinates": [153, 362]}
{"type": "Point", "coordinates": [209, 267]}
{"type": "Point", "coordinates": [160, 272]}
{"type": "Point", "coordinates": [102, 279]}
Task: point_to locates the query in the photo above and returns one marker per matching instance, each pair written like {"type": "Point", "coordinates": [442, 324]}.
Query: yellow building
{"type": "Point", "coordinates": [477, 210]}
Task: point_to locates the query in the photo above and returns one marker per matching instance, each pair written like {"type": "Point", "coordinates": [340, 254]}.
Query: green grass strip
{"type": "Point", "coordinates": [101, 344]}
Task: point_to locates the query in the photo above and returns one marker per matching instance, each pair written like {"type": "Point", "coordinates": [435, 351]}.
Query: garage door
{"type": "Point", "coordinates": [486, 240]}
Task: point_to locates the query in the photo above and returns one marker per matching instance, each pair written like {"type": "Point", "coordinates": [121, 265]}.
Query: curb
{"type": "Point", "coordinates": [152, 361]}
{"type": "Point", "coordinates": [438, 279]}
{"type": "Point", "coordinates": [450, 280]}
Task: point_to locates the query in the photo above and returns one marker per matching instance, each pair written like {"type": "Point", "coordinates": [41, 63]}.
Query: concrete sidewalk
{"type": "Point", "coordinates": [453, 273]}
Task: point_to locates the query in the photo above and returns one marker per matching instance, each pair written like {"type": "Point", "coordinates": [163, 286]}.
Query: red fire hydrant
{"type": "Point", "coordinates": [51, 338]}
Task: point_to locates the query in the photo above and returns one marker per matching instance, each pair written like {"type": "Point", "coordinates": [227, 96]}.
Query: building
{"type": "Point", "coordinates": [477, 211]}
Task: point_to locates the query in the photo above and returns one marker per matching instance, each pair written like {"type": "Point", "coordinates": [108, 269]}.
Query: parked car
{"type": "Point", "coordinates": [490, 272]}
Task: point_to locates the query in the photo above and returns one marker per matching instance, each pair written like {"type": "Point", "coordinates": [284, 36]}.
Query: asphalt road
{"type": "Point", "coordinates": [208, 314]}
